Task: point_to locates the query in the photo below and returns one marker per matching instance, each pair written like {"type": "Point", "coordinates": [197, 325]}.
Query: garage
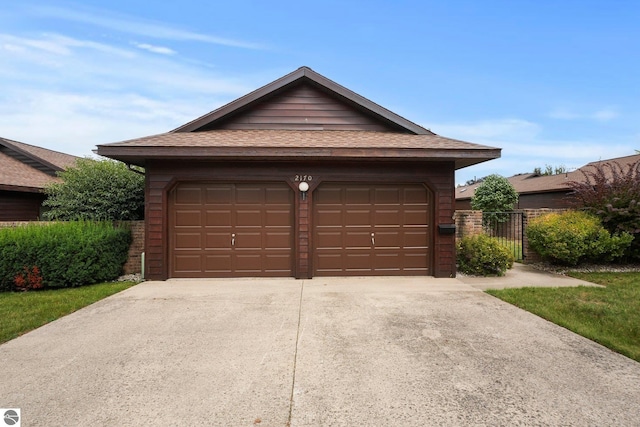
{"type": "Point", "coordinates": [372, 229]}
{"type": "Point", "coordinates": [299, 178]}
{"type": "Point", "coordinates": [228, 230]}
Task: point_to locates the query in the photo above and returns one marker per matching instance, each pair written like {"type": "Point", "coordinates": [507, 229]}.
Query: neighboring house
{"type": "Point", "coordinates": [542, 191]}
{"type": "Point", "coordinates": [24, 172]}
{"type": "Point", "coordinates": [300, 178]}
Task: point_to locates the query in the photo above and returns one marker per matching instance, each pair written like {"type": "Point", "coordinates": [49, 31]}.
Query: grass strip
{"type": "Point", "coordinates": [609, 316]}
{"type": "Point", "coordinates": [25, 311]}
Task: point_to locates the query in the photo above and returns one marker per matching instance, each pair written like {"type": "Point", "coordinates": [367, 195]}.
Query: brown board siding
{"type": "Point", "coordinates": [303, 107]}
{"type": "Point", "coordinates": [16, 206]}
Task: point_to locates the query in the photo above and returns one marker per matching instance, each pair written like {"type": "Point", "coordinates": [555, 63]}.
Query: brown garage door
{"type": "Point", "coordinates": [372, 230]}
{"type": "Point", "coordinates": [231, 230]}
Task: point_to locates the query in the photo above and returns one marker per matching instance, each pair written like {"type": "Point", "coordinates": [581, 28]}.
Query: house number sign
{"type": "Point", "coordinates": [299, 178]}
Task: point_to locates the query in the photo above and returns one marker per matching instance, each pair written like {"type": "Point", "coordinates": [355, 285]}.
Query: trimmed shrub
{"type": "Point", "coordinates": [63, 254]}
{"type": "Point", "coordinates": [482, 255]}
{"type": "Point", "coordinates": [572, 237]}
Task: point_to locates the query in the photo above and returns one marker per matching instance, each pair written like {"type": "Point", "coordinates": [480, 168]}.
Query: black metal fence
{"type": "Point", "coordinates": [508, 228]}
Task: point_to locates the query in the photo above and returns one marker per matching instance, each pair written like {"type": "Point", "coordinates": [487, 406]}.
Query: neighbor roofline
{"type": "Point", "coordinates": [10, 144]}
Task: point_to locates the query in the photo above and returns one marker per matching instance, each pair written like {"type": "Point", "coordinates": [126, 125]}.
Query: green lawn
{"type": "Point", "coordinates": [609, 316]}
{"type": "Point", "coordinates": [25, 311]}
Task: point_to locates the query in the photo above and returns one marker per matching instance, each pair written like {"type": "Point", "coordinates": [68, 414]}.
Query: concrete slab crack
{"type": "Point", "coordinates": [295, 356]}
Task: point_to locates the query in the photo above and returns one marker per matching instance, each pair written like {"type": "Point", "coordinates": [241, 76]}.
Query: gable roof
{"type": "Point", "coordinates": [28, 168]}
{"type": "Point", "coordinates": [303, 75]}
{"type": "Point", "coordinates": [207, 138]}
{"type": "Point", "coordinates": [529, 183]}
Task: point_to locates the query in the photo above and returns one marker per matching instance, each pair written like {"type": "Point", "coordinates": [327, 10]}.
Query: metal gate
{"type": "Point", "coordinates": [508, 229]}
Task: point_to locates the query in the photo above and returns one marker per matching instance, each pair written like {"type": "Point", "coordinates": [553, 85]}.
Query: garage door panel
{"type": "Point", "coordinates": [387, 261]}
{"type": "Point", "coordinates": [236, 230]}
{"type": "Point", "coordinates": [248, 240]}
{"type": "Point", "coordinates": [355, 217]}
{"type": "Point", "coordinates": [278, 218]}
{"type": "Point", "coordinates": [416, 239]}
{"type": "Point", "coordinates": [329, 239]}
{"type": "Point", "coordinates": [388, 239]}
{"type": "Point", "coordinates": [388, 217]}
{"type": "Point", "coordinates": [278, 196]}
{"type": "Point", "coordinates": [250, 195]}
{"type": "Point", "coordinates": [357, 239]}
{"type": "Point", "coordinates": [187, 218]}
{"type": "Point", "coordinates": [249, 217]}
{"type": "Point", "coordinates": [248, 263]}
{"type": "Point", "coordinates": [416, 261]}
{"type": "Point", "coordinates": [189, 196]}
{"type": "Point", "coordinates": [220, 194]}
{"type": "Point", "coordinates": [388, 196]}
{"type": "Point", "coordinates": [397, 215]}
{"type": "Point", "coordinates": [328, 264]}
{"type": "Point", "coordinates": [275, 240]}
{"type": "Point", "coordinates": [188, 241]}
{"type": "Point", "coordinates": [328, 218]}
{"type": "Point", "coordinates": [278, 263]}
{"type": "Point", "coordinates": [218, 241]}
{"type": "Point", "coordinates": [415, 195]}
{"type": "Point", "coordinates": [358, 261]}
{"type": "Point", "coordinates": [188, 263]}
{"type": "Point", "coordinates": [218, 218]}
{"type": "Point", "coordinates": [218, 263]}
{"type": "Point", "coordinates": [356, 196]}
{"type": "Point", "coordinates": [415, 217]}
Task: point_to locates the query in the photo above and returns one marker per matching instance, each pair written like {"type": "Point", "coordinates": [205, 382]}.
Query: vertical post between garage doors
{"type": "Point", "coordinates": [302, 226]}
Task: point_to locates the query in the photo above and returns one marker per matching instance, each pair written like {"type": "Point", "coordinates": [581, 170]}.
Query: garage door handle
{"type": "Point", "coordinates": [373, 239]}
{"type": "Point", "coordinates": [233, 240]}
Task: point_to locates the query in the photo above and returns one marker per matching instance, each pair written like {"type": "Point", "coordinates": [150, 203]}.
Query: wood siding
{"type": "Point", "coordinates": [302, 108]}
{"type": "Point", "coordinates": [15, 206]}
{"type": "Point", "coordinates": [162, 176]}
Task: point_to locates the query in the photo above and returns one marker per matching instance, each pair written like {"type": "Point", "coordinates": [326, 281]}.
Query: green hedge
{"type": "Point", "coordinates": [62, 254]}
{"type": "Point", "coordinates": [482, 255]}
{"type": "Point", "coordinates": [574, 236]}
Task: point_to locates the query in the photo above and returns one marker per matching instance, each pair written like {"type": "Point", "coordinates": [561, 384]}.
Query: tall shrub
{"type": "Point", "coordinates": [572, 237]}
{"type": "Point", "coordinates": [65, 254]}
{"type": "Point", "coordinates": [495, 194]}
{"type": "Point", "coordinates": [612, 192]}
{"type": "Point", "coordinates": [100, 190]}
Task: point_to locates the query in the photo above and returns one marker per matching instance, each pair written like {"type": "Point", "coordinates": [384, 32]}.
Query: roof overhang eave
{"type": "Point", "coordinates": [140, 155]}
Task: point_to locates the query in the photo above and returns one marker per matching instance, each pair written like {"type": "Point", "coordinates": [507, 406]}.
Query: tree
{"type": "Point", "coordinates": [495, 194]}
{"type": "Point", "coordinates": [612, 192]}
{"type": "Point", "coordinates": [96, 190]}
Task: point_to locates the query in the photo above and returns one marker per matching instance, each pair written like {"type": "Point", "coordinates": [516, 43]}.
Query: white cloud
{"type": "Point", "coordinates": [489, 130]}
{"type": "Point", "coordinates": [525, 147]}
{"type": "Point", "coordinates": [69, 94]}
{"type": "Point", "coordinates": [155, 49]}
{"type": "Point", "coordinates": [602, 115]}
{"type": "Point", "coordinates": [131, 25]}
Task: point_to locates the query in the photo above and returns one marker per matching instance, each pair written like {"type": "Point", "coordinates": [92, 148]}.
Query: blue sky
{"type": "Point", "coordinates": [549, 82]}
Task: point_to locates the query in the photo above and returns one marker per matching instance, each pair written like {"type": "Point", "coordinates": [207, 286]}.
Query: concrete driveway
{"type": "Point", "coordinates": [321, 352]}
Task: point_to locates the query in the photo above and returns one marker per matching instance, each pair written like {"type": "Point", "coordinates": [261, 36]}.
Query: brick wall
{"type": "Point", "coordinates": [468, 223]}
{"type": "Point", "coordinates": [133, 264]}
